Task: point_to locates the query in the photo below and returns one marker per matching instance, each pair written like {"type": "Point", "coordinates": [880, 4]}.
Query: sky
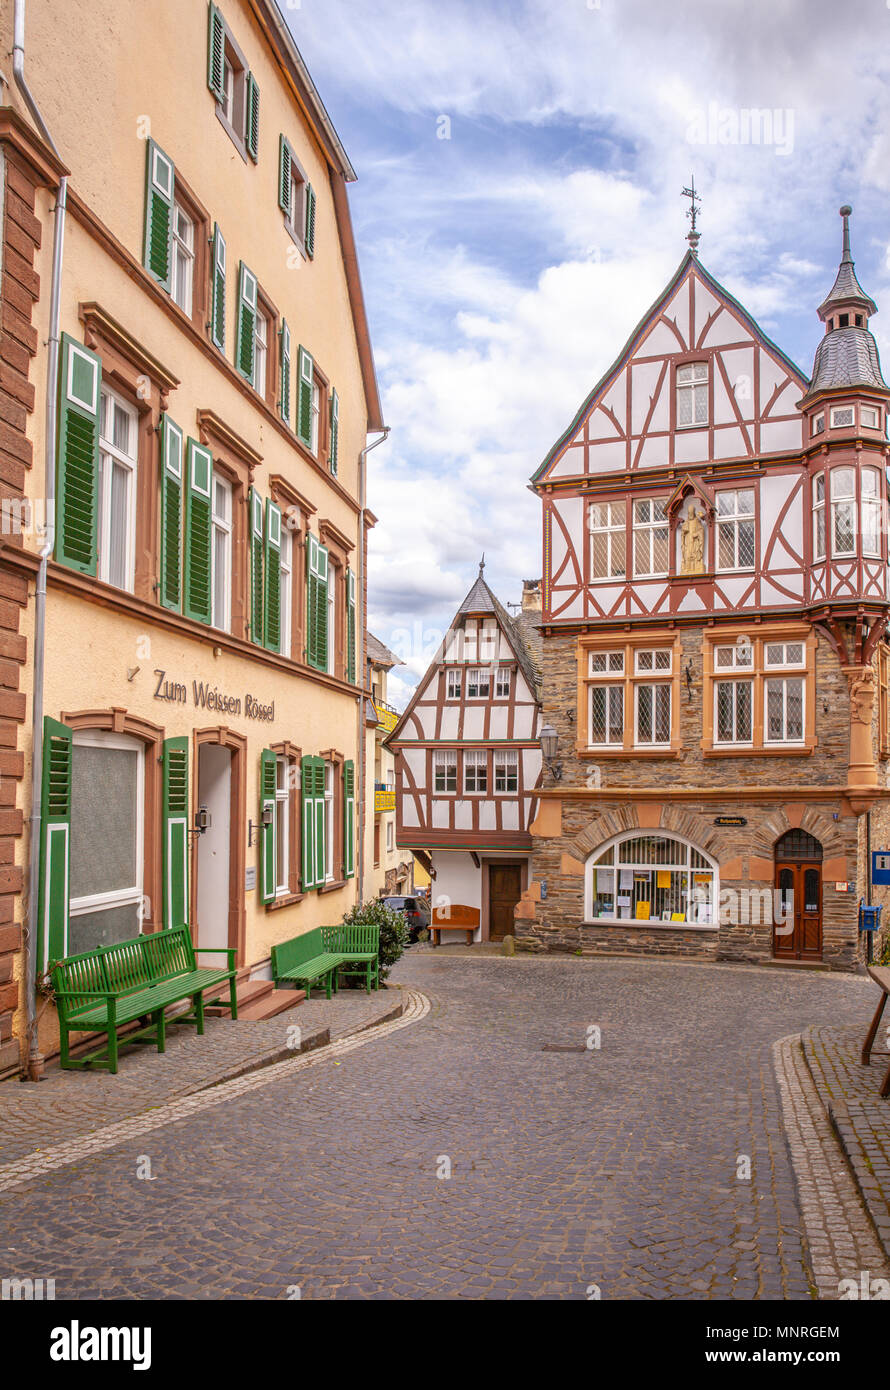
{"type": "Point", "coordinates": [518, 208]}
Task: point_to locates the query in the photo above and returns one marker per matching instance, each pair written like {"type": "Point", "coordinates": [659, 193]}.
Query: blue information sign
{"type": "Point", "coordinates": [880, 866]}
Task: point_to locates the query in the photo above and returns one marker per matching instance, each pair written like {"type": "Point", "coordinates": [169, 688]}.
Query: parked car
{"type": "Point", "coordinates": [416, 913]}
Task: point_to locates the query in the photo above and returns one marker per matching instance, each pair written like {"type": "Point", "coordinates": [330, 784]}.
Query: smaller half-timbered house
{"type": "Point", "coordinates": [468, 761]}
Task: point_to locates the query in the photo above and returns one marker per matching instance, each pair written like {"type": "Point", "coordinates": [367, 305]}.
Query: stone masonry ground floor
{"type": "Point", "coordinates": [658, 1164]}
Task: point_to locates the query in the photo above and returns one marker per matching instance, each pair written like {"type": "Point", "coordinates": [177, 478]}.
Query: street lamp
{"type": "Point", "coordinates": [549, 747]}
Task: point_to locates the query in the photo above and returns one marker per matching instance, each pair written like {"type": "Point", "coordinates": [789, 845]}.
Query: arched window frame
{"type": "Point", "coordinates": [594, 860]}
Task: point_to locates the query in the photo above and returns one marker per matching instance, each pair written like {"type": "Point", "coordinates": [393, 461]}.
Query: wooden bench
{"type": "Point", "coordinates": [98, 991]}
{"type": "Point", "coordinates": [460, 918]}
{"type": "Point", "coordinates": [358, 946]}
{"type": "Point", "coordinates": [881, 976]}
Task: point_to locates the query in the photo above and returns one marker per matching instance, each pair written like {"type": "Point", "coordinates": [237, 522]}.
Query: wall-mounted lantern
{"type": "Point", "coordinates": [549, 748]}
{"type": "Point", "coordinates": [264, 821]}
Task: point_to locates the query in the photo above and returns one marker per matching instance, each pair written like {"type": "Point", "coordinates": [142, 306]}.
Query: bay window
{"type": "Point", "coordinates": [843, 511]}
{"type": "Point", "coordinates": [872, 507]}
{"type": "Point", "coordinates": [819, 516]}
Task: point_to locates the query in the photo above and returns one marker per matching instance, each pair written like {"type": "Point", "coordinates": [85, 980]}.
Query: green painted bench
{"type": "Point", "coordinates": [99, 990]}
{"type": "Point", "coordinates": [321, 954]}
{"type": "Point", "coordinates": [358, 946]}
{"type": "Point", "coordinates": [305, 960]}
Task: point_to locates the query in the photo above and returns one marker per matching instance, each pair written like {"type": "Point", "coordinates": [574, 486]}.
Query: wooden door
{"type": "Point", "coordinates": [799, 937]}
{"type": "Point", "coordinates": [504, 892]}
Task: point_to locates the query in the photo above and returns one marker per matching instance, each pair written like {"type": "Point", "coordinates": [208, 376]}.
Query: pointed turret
{"type": "Point", "coordinates": [847, 357]}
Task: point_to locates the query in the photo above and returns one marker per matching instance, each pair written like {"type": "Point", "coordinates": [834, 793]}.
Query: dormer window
{"type": "Point", "coordinates": [841, 417]}
{"type": "Point", "coordinates": [692, 395]}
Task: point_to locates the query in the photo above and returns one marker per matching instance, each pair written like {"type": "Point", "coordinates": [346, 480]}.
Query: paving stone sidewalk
{"type": "Point", "coordinates": [68, 1104]}
{"type": "Point", "coordinates": [849, 1093]}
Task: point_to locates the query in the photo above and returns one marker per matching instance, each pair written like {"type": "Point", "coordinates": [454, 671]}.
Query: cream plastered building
{"type": "Point", "coordinates": [387, 869]}
{"type": "Point", "coordinates": [203, 643]}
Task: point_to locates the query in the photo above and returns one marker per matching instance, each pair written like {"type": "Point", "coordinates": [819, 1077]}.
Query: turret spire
{"type": "Point", "coordinates": [847, 296]}
{"type": "Point", "coordinates": [693, 236]}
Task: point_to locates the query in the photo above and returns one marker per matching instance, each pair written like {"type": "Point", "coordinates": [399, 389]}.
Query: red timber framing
{"type": "Point", "coordinates": [28, 166]}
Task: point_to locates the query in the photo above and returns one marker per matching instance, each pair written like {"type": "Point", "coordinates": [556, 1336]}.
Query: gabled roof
{"type": "Point", "coordinates": [690, 264]}
{"type": "Point", "coordinates": [378, 655]}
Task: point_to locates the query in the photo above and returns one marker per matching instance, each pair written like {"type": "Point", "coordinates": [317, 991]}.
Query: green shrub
{"type": "Point", "coordinates": [393, 933]}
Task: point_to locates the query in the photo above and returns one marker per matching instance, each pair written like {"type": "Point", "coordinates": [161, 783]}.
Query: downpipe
{"type": "Point", "coordinates": [360, 656]}
{"type": "Point", "coordinates": [33, 1067]}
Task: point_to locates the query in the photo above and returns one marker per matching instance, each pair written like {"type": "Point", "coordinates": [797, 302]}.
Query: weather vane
{"type": "Point", "coordinates": [693, 236]}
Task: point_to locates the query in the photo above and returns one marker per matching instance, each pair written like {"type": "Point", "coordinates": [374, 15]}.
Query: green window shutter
{"type": "Point", "coordinates": [252, 124]}
{"type": "Point", "coordinates": [273, 577]}
{"type": "Point", "coordinates": [55, 842]}
{"type": "Point", "coordinates": [256, 567]}
{"type": "Point", "coordinates": [285, 191]}
{"type": "Point", "coordinates": [316, 604]}
{"type": "Point", "coordinates": [246, 327]}
{"type": "Point", "coordinates": [159, 187]}
{"type": "Point", "coordinates": [310, 220]}
{"type": "Point", "coordinates": [284, 384]}
{"type": "Point", "coordinates": [218, 291]}
{"type": "Point", "coordinates": [348, 819]}
{"type": "Point", "coordinates": [320, 822]}
{"type": "Point", "coordinates": [268, 847]}
{"type": "Point", "coordinates": [335, 430]}
{"type": "Point", "coordinates": [307, 796]}
{"type": "Point", "coordinates": [198, 552]}
{"type": "Point", "coordinates": [77, 460]}
{"type": "Point", "coordinates": [216, 47]}
{"type": "Point", "coordinates": [171, 515]}
{"type": "Point", "coordinates": [305, 382]}
{"type": "Point", "coordinates": [175, 850]}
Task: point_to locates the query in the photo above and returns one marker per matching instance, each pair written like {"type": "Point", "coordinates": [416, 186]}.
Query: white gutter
{"type": "Point", "coordinates": [34, 1065]}
{"type": "Point", "coordinates": [362, 623]}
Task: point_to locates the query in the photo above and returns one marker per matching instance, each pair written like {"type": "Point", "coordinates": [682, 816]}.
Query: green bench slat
{"type": "Point", "coordinates": [310, 969]}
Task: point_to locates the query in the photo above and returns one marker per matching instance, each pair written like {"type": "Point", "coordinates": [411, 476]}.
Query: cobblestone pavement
{"type": "Point", "coordinates": [850, 1094]}
{"type": "Point", "coordinates": [619, 1169]}
{"type": "Point", "coordinates": [70, 1103]}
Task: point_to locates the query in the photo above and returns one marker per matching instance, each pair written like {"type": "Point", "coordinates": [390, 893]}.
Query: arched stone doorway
{"type": "Point", "coordinates": [797, 923]}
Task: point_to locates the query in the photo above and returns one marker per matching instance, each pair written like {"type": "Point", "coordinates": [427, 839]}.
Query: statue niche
{"type": "Point", "coordinates": [692, 543]}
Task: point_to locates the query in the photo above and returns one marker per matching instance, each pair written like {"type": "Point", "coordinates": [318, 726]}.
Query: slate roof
{"type": "Point", "coordinates": [480, 599]}
{"type": "Point", "coordinates": [378, 655]}
{"type": "Point", "coordinates": [845, 288]}
{"type": "Point", "coordinates": [846, 357]}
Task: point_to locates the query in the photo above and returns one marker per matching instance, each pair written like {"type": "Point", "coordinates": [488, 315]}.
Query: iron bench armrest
{"type": "Point", "coordinates": [229, 951]}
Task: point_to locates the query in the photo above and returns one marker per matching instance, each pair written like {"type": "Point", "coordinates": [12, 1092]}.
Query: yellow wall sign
{"type": "Point", "coordinates": [643, 912]}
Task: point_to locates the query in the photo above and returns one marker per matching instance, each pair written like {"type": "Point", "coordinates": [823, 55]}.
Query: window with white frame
{"type": "Point", "coordinates": [106, 840]}
{"type": "Point", "coordinates": [733, 705]}
{"type": "Point", "coordinates": [819, 516]}
{"type": "Point", "coordinates": [842, 416]}
{"type": "Point", "coordinates": [608, 540]}
{"type": "Point", "coordinates": [332, 617]}
{"type": "Point", "coordinates": [817, 425]}
{"type": "Point", "coordinates": [282, 824]}
{"type": "Point", "coordinates": [735, 529]}
{"type": "Point", "coordinates": [444, 771]}
{"type": "Point", "coordinates": [503, 678]}
{"type": "Point", "coordinates": [287, 589]}
{"type": "Point", "coordinates": [476, 772]}
{"type": "Point", "coordinates": [735, 656]}
{"type": "Point", "coordinates": [784, 721]}
{"type": "Point", "coordinates": [871, 506]}
{"type": "Point", "coordinates": [296, 212]}
{"type": "Point", "coordinates": [389, 837]}
{"type": "Point", "coordinates": [478, 683]}
{"type": "Point", "coordinates": [652, 878]}
{"type": "Point", "coordinates": [221, 523]}
{"type": "Point", "coordinates": [606, 663]}
{"type": "Point", "coordinates": [261, 352]}
{"type": "Point", "coordinates": [606, 714]}
{"type": "Point", "coordinates": [653, 659]}
{"type": "Point", "coordinates": [316, 416]}
{"type": "Point", "coordinates": [454, 679]}
{"type": "Point", "coordinates": [843, 511]}
{"type": "Point", "coordinates": [329, 805]}
{"type": "Point", "coordinates": [506, 770]}
{"type": "Point", "coordinates": [650, 537]}
{"type": "Point", "coordinates": [692, 395]}
{"type": "Point", "coordinates": [183, 258]}
{"type": "Point", "coordinates": [117, 491]}
{"type": "Point", "coordinates": [653, 714]}
{"type": "Point", "coordinates": [784, 654]}
{"type": "Point", "coordinates": [870, 417]}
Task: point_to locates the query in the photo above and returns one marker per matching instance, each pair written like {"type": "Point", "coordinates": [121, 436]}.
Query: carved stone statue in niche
{"type": "Point", "coordinates": [692, 543]}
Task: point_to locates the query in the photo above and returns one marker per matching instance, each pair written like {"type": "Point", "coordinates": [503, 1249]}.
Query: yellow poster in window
{"type": "Point", "coordinates": [663, 878]}
{"type": "Point", "coordinates": [643, 912]}
{"type": "Point", "coordinates": [678, 916]}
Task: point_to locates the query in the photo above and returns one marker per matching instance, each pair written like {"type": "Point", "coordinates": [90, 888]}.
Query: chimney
{"type": "Point", "coordinates": [531, 596]}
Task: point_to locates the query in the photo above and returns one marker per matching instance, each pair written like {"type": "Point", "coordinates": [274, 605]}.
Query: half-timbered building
{"type": "Point", "coordinates": [715, 660]}
{"type": "Point", "coordinates": [468, 763]}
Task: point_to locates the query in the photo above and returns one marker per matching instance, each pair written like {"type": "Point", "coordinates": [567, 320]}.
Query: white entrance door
{"type": "Point", "coordinates": [214, 792]}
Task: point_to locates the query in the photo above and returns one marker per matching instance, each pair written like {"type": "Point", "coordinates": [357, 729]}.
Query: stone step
{"type": "Point", "coordinates": [276, 1001]}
